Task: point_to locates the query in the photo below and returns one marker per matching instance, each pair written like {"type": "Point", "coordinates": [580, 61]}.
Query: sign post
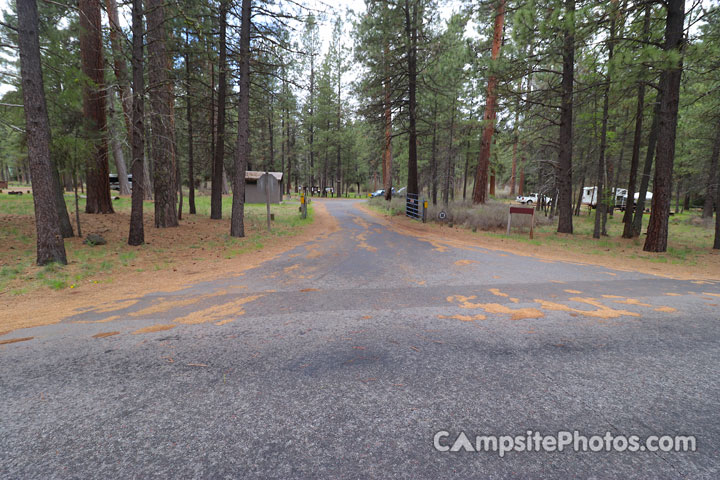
{"type": "Point", "coordinates": [522, 211]}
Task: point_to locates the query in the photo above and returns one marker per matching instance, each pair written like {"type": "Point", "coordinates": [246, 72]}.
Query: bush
{"type": "Point", "coordinates": [490, 216]}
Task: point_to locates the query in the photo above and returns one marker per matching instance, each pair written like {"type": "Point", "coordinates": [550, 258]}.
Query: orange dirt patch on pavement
{"type": "Point", "coordinates": [464, 318]}
{"type": "Point", "coordinates": [218, 313]}
{"type": "Point", "coordinates": [105, 334]}
{"type": "Point", "coordinates": [602, 311]}
{"type": "Point", "coordinates": [154, 328]}
{"type": "Point", "coordinates": [15, 340]}
{"type": "Point", "coordinates": [496, 308]}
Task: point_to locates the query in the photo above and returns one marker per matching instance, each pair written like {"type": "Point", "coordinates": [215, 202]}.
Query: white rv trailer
{"type": "Point", "coordinates": [589, 197]}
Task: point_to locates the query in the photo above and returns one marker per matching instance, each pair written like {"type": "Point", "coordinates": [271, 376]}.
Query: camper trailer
{"type": "Point", "coordinates": [589, 197]}
{"type": "Point", "coordinates": [622, 203]}
{"type": "Point", "coordinates": [619, 196]}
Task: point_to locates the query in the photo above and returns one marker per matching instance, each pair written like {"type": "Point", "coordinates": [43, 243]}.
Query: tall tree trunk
{"type": "Point", "coordinates": [656, 240]}
{"type": "Point", "coordinates": [411, 31]}
{"type": "Point", "coordinates": [637, 140]}
{"type": "Point", "coordinates": [242, 150]}
{"type": "Point", "coordinates": [578, 204]}
{"type": "Point", "coordinates": [50, 244]}
{"type": "Point", "coordinates": [123, 81]}
{"type": "Point", "coordinates": [188, 112]}
{"type": "Point", "coordinates": [117, 150]}
{"type": "Point", "coordinates": [716, 245]}
{"type": "Point", "coordinates": [467, 164]}
{"type": "Point", "coordinates": [712, 183]}
{"type": "Point", "coordinates": [564, 171]}
{"type": "Point", "coordinates": [513, 172]}
{"type": "Point", "coordinates": [65, 226]}
{"type": "Point", "coordinates": [433, 156]}
{"type": "Point", "coordinates": [449, 166]}
{"type": "Point", "coordinates": [602, 200]}
{"type": "Point", "coordinates": [97, 170]}
{"type": "Point", "coordinates": [219, 153]}
{"type": "Point", "coordinates": [163, 121]}
{"type": "Point", "coordinates": [481, 176]}
{"type": "Point", "coordinates": [647, 167]}
{"type": "Point", "coordinates": [387, 147]}
{"type": "Point", "coordinates": [137, 231]}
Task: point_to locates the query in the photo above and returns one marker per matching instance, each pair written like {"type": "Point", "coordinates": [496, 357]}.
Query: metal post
{"type": "Point", "coordinates": [424, 214]}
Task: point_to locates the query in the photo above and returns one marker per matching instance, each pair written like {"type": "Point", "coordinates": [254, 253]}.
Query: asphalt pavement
{"type": "Point", "coordinates": [344, 358]}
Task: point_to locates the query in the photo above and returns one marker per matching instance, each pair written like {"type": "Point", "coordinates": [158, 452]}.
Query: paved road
{"type": "Point", "coordinates": [345, 356]}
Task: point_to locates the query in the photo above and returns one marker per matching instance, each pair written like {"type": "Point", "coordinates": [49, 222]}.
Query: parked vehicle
{"type": "Point", "coordinates": [619, 196]}
{"type": "Point", "coordinates": [115, 181]}
{"type": "Point", "coordinates": [621, 203]}
{"type": "Point", "coordinates": [533, 198]}
{"type": "Point", "coordinates": [381, 192]}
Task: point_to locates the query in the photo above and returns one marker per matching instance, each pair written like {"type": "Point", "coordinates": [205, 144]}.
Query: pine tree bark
{"type": "Point", "coordinates": [411, 31]}
{"type": "Point", "coordinates": [564, 171]}
{"type": "Point", "coordinates": [50, 244]}
{"type": "Point", "coordinates": [450, 165]}
{"type": "Point", "coordinates": [712, 183]}
{"type": "Point", "coordinates": [162, 119]}
{"type": "Point", "coordinates": [716, 245]}
{"type": "Point", "coordinates": [137, 231]}
{"type": "Point", "coordinates": [656, 240]}
{"type": "Point", "coordinates": [97, 170]}
{"type": "Point", "coordinates": [637, 140]}
{"type": "Point", "coordinates": [191, 156]}
{"type": "Point", "coordinates": [433, 156]}
{"type": "Point", "coordinates": [481, 176]}
{"type": "Point", "coordinates": [242, 150]}
{"type": "Point", "coordinates": [647, 167]}
{"type": "Point", "coordinates": [66, 229]}
{"type": "Point", "coordinates": [387, 147]}
{"type": "Point", "coordinates": [603, 176]}
{"type": "Point", "coordinates": [216, 192]}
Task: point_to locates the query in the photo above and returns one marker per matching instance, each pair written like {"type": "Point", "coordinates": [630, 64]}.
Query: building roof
{"type": "Point", "coordinates": [255, 175]}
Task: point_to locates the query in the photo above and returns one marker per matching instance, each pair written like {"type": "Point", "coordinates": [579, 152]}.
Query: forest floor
{"type": "Point", "coordinates": [198, 249]}
{"type": "Point", "coordinates": [689, 256]}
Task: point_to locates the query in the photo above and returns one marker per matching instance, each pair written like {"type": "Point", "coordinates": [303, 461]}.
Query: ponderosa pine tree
{"type": "Point", "coordinates": [162, 118]}
{"type": "Point", "coordinates": [242, 149]}
{"type": "Point", "coordinates": [218, 164]}
{"type": "Point", "coordinates": [97, 169]}
{"type": "Point", "coordinates": [657, 235]}
{"type": "Point", "coordinates": [481, 176]}
{"type": "Point", "coordinates": [137, 231]}
{"type": "Point", "coordinates": [50, 244]}
{"type": "Point", "coordinates": [565, 143]}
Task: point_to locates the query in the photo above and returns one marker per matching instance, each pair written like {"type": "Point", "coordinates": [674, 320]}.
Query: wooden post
{"type": "Point", "coordinates": [532, 224]}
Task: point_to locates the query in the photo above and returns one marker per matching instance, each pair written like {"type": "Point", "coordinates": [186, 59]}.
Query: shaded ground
{"type": "Point", "coordinates": [342, 357]}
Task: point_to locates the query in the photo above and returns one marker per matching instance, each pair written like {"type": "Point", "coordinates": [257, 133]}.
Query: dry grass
{"type": "Point", "coordinates": [492, 216]}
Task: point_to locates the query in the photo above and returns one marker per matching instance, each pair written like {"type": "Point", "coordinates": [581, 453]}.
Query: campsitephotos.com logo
{"type": "Point", "coordinates": [533, 441]}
